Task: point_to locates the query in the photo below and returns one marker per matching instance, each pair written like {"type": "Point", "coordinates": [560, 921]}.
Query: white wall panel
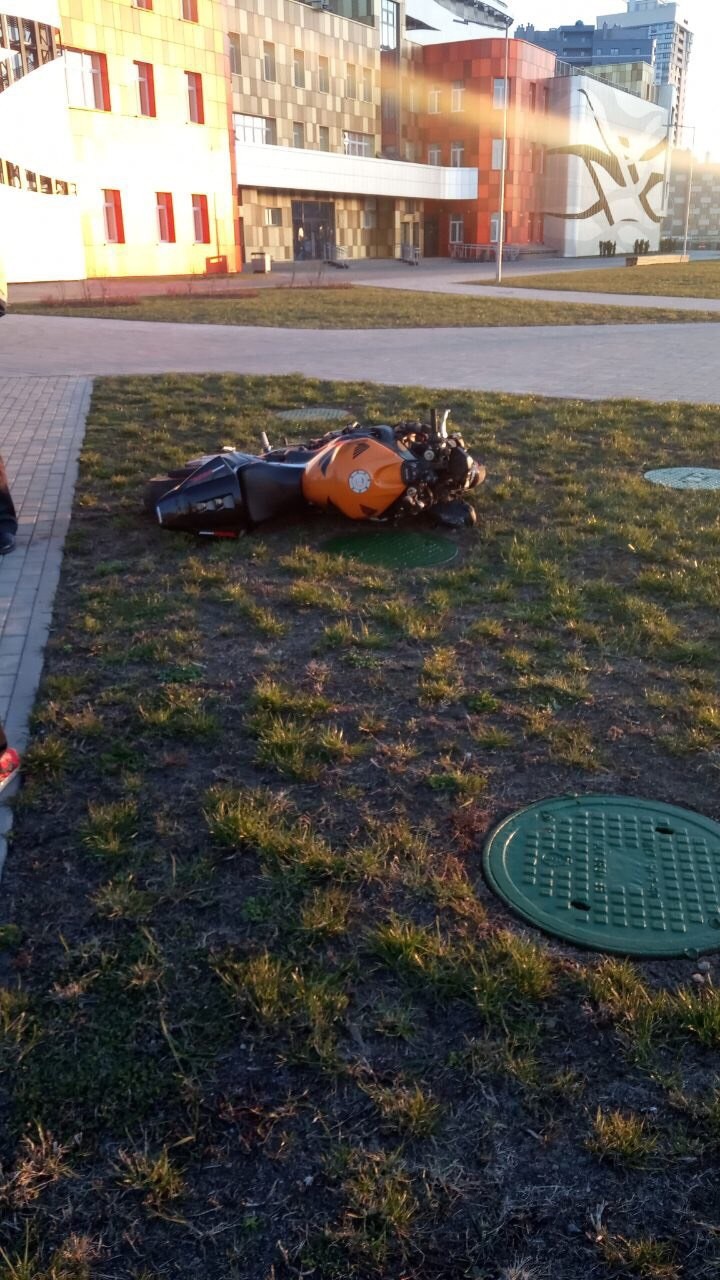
{"type": "Point", "coordinates": [299, 169]}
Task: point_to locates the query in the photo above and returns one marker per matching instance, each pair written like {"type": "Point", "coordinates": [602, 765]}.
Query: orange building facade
{"type": "Point", "coordinates": [461, 123]}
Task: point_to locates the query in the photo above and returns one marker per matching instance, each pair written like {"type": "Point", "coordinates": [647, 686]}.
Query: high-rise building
{"type": "Point", "coordinates": [650, 31]}
{"type": "Point", "coordinates": [673, 38]}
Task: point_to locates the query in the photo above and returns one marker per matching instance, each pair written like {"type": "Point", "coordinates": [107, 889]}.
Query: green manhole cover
{"type": "Point", "coordinates": [394, 548]}
{"type": "Point", "coordinates": [685, 477]}
{"type": "Point", "coordinates": [615, 874]}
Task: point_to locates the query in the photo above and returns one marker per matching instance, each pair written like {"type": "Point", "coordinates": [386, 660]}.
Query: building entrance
{"type": "Point", "coordinates": [313, 229]}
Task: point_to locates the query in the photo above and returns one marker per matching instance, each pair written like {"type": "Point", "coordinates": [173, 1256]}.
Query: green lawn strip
{"type": "Point", "coordinates": [259, 1012]}
{"type": "Point", "coordinates": [364, 308]}
{"type": "Point", "coordinates": [681, 280]}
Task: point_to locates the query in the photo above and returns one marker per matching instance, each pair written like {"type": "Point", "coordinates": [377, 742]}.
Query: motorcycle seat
{"type": "Point", "coordinates": [271, 488]}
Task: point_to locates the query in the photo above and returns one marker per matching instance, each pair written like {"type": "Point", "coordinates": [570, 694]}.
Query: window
{"type": "Point", "coordinates": [533, 96]}
{"type": "Point", "coordinates": [351, 82]}
{"type": "Point", "coordinates": [457, 154]}
{"type": "Point", "coordinates": [367, 85]}
{"type": "Point", "coordinates": [546, 99]}
{"type": "Point", "coordinates": [268, 61]}
{"type": "Point", "coordinates": [298, 69]}
{"type": "Point", "coordinates": [457, 94]}
{"type": "Point", "coordinates": [434, 154]}
{"type": "Point", "coordinates": [498, 93]}
{"type": "Point", "coordinates": [457, 229]}
{"type": "Point", "coordinates": [324, 137]}
{"type": "Point", "coordinates": [201, 221]}
{"type": "Point", "coordinates": [254, 129]}
{"type": "Point", "coordinates": [388, 24]}
{"type": "Point", "coordinates": [87, 79]}
{"type": "Point", "coordinates": [112, 209]}
{"type": "Point", "coordinates": [196, 109]}
{"type": "Point", "coordinates": [145, 88]}
{"type": "Point", "coordinates": [358, 144]}
{"type": "Point", "coordinates": [539, 159]}
{"type": "Point", "coordinates": [235, 59]}
{"type": "Point", "coordinates": [494, 228]}
{"type": "Point", "coordinates": [369, 219]}
{"type": "Point", "coordinates": [497, 153]}
{"type": "Point", "coordinates": [298, 134]}
{"type": "Point", "coordinates": [324, 75]}
{"type": "Point", "coordinates": [190, 10]}
{"type": "Point", "coordinates": [31, 180]}
{"type": "Point", "coordinates": [273, 217]}
{"type": "Point", "coordinates": [165, 217]}
{"type": "Point", "coordinates": [143, 4]}
{"type": "Point", "coordinates": [434, 102]}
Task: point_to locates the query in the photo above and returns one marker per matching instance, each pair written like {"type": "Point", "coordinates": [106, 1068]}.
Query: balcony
{"type": "Point", "coordinates": [300, 169]}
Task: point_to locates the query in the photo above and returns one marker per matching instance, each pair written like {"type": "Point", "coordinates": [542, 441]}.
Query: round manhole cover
{"type": "Point", "coordinates": [316, 413]}
{"type": "Point", "coordinates": [685, 477]}
{"type": "Point", "coordinates": [394, 548]}
{"type": "Point", "coordinates": [615, 874]}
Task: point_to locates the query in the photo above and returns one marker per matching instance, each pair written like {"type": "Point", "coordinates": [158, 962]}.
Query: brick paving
{"type": "Point", "coordinates": [42, 421]}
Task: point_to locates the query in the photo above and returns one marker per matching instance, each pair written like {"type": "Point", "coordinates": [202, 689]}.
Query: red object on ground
{"type": "Point", "coordinates": [9, 765]}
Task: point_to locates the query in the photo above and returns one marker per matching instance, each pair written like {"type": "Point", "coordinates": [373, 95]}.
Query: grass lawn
{"type": "Point", "coordinates": [684, 280]}
{"type": "Point", "coordinates": [364, 308]}
{"type": "Point", "coordinates": [260, 1016]}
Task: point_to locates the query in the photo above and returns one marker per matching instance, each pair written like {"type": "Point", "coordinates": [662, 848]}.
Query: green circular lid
{"type": "Point", "coordinates": [394, 548]}
{"type": "Point", "coordinates": [636, 877]}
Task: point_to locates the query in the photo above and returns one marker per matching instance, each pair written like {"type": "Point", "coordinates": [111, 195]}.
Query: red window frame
{"type": "Point", "coordinates": [201, 219]}
{"type": "Point", "coordinates": [196, 105]}
{"type": "Point", "coordinates": [112, 210]}
{"type": "Point", "coordinates": [166, 217]}
{"type": "Point", "coordinates": [189, 10]}
{"type": "Point", "coordinates": [146, 88]}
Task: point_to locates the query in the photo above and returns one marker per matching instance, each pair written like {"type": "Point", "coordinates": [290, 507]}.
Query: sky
{"type": "Point", "coordinates": [703, 101]}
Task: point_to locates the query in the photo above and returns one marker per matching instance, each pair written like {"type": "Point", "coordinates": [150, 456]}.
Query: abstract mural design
{"type": "Point", "coordinates": [610, 175]}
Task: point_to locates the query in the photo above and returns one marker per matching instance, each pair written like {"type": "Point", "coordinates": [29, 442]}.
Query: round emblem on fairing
{"type": "Point", "coordinates": [360, 481]}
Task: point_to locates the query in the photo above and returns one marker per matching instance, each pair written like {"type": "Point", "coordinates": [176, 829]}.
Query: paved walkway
{"type": "Point", "coordinates": [651, 362]}
{"type": "Point", "coordinates": [42, 421]}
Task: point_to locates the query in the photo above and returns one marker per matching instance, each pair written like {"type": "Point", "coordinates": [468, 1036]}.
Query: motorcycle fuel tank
{"type": "Point", "coordinates": [361, 478]}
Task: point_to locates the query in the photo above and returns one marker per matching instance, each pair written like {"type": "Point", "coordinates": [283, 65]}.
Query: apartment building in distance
{"type": "Point", "coordinates": [179, 137]}
{"type": "Point", "coordinates": [651, 31]}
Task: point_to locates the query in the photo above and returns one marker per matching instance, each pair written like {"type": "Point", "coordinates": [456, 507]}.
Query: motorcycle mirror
{"type": "Point", "coordinates": [443, 424]}
{"type": "Point", "coordinates": [264, 440]}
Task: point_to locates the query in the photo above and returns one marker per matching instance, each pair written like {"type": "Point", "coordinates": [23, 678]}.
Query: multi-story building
{"type": "Point", "coordinates": [173, 137]}
{"type": "Point", "coordinates": [325, 134]}
{"type": "Point", "coordinates": [673, 38]}
{"type": "Point", "coordinates": [461, 122]}
{"type": "Point", "coordinates": [650, 31]}
{"type": "Point", "coordinates": [585, 46]}
{"type": "Point", "coordinates": [698, 183]}
{"type": "Point", "coordinates": [114, 139]}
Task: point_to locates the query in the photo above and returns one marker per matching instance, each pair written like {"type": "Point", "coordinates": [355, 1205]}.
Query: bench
{"type": "Point", "coordinates": [655, 259]}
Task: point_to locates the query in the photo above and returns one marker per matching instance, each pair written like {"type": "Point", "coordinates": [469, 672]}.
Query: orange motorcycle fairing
{"type": "Point", "coordinates": [361, 478]}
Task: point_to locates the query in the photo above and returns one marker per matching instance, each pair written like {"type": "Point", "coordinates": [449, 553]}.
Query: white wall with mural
{"type": "Point", "coordinates": [40, 226]}
{"type": "Point", "coordinates": [605, 168]}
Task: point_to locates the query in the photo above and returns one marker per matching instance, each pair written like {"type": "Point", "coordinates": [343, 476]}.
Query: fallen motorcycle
{"type": "Point", "coordinates": [364, 473]}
